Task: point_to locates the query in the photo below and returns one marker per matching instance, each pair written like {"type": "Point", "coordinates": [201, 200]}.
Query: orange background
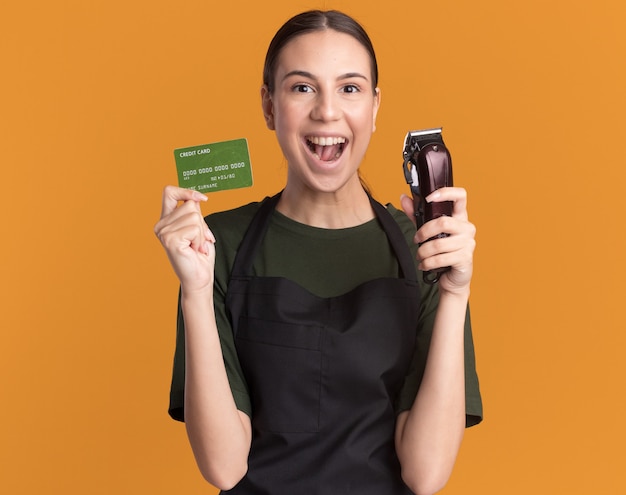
{"type": "Point", "coordinates": [94, 97]}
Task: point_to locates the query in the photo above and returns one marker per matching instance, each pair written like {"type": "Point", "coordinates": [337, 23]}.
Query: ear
{"type": "Point", "coordinates": [377, 97]}
{"type": "Point", "coordinates": [268, 107]}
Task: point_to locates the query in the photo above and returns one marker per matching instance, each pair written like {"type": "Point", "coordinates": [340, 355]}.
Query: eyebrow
{"type": "Point", "coordinates": [308, 75]}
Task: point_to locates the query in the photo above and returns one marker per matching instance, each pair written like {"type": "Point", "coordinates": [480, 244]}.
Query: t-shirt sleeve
{"type": "Point", "coordinates": [428, 310]}
{"type": "Point", "coordinates": [177, 388]}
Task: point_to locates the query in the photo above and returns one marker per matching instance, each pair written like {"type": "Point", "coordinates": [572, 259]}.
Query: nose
{"type": "Point", "coordinates": [326, 107]}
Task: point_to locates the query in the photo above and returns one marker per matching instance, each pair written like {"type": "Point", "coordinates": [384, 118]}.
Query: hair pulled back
{"type": "Point", "coordinates": [313, 21]}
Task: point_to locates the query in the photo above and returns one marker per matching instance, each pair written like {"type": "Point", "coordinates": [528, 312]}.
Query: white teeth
{"type": "Point", "coordinates": [326, 141]}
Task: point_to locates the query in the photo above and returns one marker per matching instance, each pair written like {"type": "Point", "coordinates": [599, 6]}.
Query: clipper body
{"type": "Point", "coordinates": [428, 167]}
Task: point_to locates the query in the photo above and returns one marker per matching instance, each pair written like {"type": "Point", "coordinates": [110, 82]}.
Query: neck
{"type": "Point", "coordinates": [327, 210]}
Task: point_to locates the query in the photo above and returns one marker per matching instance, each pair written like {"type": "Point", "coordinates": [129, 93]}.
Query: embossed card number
{"type": "Point", "coordinates": [214, 167]}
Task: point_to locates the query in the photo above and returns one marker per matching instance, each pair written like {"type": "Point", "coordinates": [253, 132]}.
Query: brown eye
{"type": "Point", "coordinates": [351, 88]}
{"type": "Point", "coordinates": [302, 88]}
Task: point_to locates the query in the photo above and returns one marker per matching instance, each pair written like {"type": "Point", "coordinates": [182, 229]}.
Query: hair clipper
{"type": "Point", "coordinates": [427, 167]}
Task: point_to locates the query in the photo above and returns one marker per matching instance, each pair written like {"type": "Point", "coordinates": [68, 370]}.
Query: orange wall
{"type": "Point", "coordinates": [95, 95]}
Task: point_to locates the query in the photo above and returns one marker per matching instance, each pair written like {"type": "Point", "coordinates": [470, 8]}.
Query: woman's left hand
{"type": "Point", "coordinates": [456, 250]}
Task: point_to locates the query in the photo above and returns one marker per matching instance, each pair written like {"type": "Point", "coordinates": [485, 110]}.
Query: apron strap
{"type": "Point", "coordinates": [397, 241]}
{"type": "Point", "coordinates": [242, 267]}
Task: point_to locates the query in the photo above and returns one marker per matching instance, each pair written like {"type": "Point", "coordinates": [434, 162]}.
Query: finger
{"type": "Point", "coordinates": [457, 195]}
{"type": "Point", "coordinates": [407, 206]}
{"type": "Point", "coordinates": [458, 256]}
{"type": "Point", "coordinates": [180, 237]}
{"type": "Point", "coordinates": [184, 209]}
{"type": "Point", "coordinates": [452, 260]}
{"type": "Point", "coordinates": [201, 240]}
{"type": "Point", "coordinates": [187, 213]}
{"type": "Point", "coordinates": [449, 244]}
{"type": "Point", "coordinates": [444, 225]}
{"type": "Point", "coordinates": [172, 195]}
{"type": "Point", "coordinates": [185, 216]}
{"type": "Point", "coordinates": [209, 241]}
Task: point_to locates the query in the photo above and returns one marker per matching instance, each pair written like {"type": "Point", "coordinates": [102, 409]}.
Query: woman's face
{"type": "Point", "coordinates": [323, 109]}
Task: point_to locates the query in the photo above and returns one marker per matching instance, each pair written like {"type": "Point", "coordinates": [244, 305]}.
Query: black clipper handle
{"type": "Point", "coordinates": [428, 167]}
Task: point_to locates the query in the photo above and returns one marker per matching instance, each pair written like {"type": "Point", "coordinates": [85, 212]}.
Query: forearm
{"type": "Point", "coordinates": [428, 437]}
{"type": "Point", "coordinates": [219, 434]}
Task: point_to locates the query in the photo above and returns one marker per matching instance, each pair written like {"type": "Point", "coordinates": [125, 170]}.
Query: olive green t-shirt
{"type": "Point", "coordinates": [326, 262]}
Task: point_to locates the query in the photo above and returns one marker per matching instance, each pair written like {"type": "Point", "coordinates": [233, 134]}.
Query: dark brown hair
{"type": "Point", "coordinates": [309, 22]}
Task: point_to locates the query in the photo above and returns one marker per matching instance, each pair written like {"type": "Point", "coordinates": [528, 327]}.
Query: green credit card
{"type": "Point", "coordinates": [214, 167]}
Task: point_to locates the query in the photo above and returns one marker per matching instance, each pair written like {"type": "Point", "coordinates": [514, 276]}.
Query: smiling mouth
{"type": "Point", "coordinates": [326, 148]}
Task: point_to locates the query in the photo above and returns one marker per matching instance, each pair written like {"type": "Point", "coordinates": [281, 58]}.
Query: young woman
{"type": "Point", "coordinates": [310, 356]}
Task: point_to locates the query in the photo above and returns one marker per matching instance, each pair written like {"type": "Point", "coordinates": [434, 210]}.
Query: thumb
{"type": "Point", "coordinates": [408, 207]}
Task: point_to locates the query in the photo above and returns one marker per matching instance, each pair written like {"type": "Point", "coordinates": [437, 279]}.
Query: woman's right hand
{"type": "Point", "coordinates": [187, 240]}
